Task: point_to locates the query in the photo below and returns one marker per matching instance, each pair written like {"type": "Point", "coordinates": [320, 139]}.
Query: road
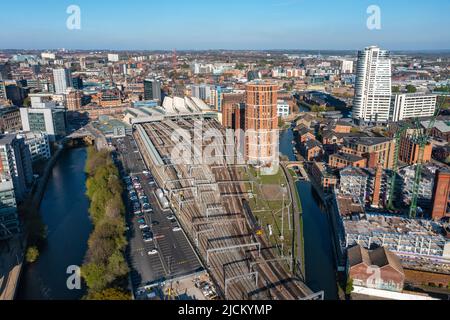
{"type": "Point", "coordinates": [176, 257]}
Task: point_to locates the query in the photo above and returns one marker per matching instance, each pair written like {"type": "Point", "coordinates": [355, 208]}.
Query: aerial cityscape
{"type": "Point", "coordinates": [249, 156]}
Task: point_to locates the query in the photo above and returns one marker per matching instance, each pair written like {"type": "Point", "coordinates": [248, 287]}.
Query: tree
{"type": "Point", "coordinates": [94, 275]}
{"type": "Point", "coordinates": [395, 89]}
{"type": "Point", "coordinates": [447, 160]}
{"type": "Point", "coordinates": [27, 102]}
{"type": "Point", "coordinates": [109, 294]}
{"type": "Point", "coordinates": [32, 254]}
{"type": "Point", "coordinates": [349, 287]}
{"type": "Point", "coordinates": [411, 89]}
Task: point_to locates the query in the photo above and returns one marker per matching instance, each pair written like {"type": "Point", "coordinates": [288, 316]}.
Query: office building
{"type": "Point", "coordinates": [441, 195]}
{"type": "Point", "coordinates": [15, 92]}
{"type": "Point", "coordinates": [347, 66]}
{"type": "Point", "coordinates": [376, 150]}
{"type": "Point", "coordinates": [38, 144]}
{"type": "Point", "coordinates": [229, 103]}
{"type": "Point", "coordinates": [77, 83]}
{"type": "Point", "coordinates": [16, 164]}
{"type": "Point", "coordinates": [373, 86]}
{"type": "Point", "coordinates": [5, 71]}
{"type": "Point", "coordinates": [48, 56]}
{"type": "Point", "coordinates": [113, 57]}
{"type": "Point", "coordinates": [10, 119]}
{"type": "Point", "coordinates": [283, 109]}
{"type": "Point", "coordinates": [261, 123]}
{"type": "Point", "coordinates": [62, 80]}
{"type": "Point", "coordinates": [410, 106]}
{"type": "Point", "coordinates": [152, 89]}
{"type": "Point", "coordinates": [9, 219]}
{"type": "Point", "coordinates": [202, 91]}
{"type": "Point", "coordinates": [73, 99]}
{"type": "Point", "coordinates": [44, 116]}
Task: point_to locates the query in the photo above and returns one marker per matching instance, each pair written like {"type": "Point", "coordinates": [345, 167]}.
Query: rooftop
{"type": "Point", "coordinates": [347, 157]}
{"type": "Point", "coordinates": [367, 141]}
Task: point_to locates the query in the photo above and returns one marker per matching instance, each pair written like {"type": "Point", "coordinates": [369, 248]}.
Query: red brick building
{"type": "Point", "coordinates": [376, 269]}
{"type": "Point", "coordinates": [441, 195]}
{"type": "Point", "coordinates": [343, 160]}
{"type": "Point", "coordinates": [230, 104]}
{"type": "Point", "coordinates": [409, 151]}
{"type": "Point", "coordinates": [261, 121]}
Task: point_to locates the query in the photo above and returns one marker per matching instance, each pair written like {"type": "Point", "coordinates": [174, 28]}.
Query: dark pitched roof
{"type": "Point", "coordinates": [311, 144]}
{"type": "Point", "coordinates": [348, 157]}
{"type": "Point", "coordinates": [304, 130]}
{"type": "Point", "coordinates": [367, 141]}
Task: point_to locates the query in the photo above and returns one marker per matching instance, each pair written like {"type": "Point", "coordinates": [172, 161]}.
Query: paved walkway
{"type": "Point", "coordinates": [297, 215]}
{"type": "Point", "coordinates": [11, 258]}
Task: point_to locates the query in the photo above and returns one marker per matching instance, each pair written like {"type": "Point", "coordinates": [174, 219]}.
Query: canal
{"type": "Point", "coordinates": [64, 210]}
{"type": "Point", "coordinates": [319, 261]}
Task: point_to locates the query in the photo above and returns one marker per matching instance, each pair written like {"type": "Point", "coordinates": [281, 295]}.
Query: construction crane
{"type": "Point", "coordinates": [421, 138]}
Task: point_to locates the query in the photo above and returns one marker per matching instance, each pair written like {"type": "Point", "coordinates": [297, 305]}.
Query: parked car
{"type": "Point", "coordinates": [152, 252]}
{"type": "Point", "coordinates": [141, 220]}
{"type": "Point", "coordinates": [176, 229]}
{"type": "Point", "coordinates": [143, 226]}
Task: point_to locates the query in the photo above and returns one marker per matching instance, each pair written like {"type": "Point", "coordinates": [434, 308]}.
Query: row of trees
{"type": "Point", "coordinates": [105, 269]}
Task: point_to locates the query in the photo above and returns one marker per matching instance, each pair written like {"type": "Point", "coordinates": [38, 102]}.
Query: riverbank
{"type": "Point", "coordinates": [320, 272]}
{"type": "Point", "coordinates": [63, 207]}
{"type": "Point", "coordinates": [14, 258]}
{"type": "Point", "coordinates": [298, 246]}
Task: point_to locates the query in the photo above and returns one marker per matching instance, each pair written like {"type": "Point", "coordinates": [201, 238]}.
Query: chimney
{"type": "Point", "coordinates": [377, 186]}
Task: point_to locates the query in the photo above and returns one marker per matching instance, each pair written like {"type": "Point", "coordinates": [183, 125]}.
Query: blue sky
{"type": "Point", "coordinates": [226, 24]}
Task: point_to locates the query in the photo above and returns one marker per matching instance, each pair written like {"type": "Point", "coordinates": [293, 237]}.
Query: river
{"type": "Point", "coordinates": [319, 261]}
{"type": "Point", "coordinates": [64, 210]}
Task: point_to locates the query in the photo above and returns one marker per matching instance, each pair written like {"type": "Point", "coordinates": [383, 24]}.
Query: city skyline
{"type": "Point", "coordinates": [290, 25]}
